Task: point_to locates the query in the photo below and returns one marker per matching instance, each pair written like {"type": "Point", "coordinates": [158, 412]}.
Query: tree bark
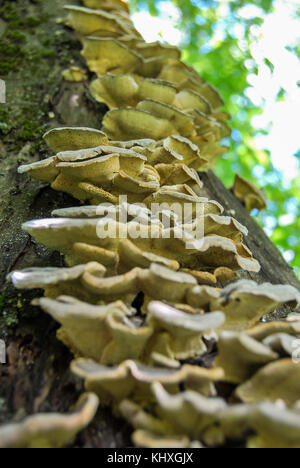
{"type": "Point", "coordinates": [36, 377]}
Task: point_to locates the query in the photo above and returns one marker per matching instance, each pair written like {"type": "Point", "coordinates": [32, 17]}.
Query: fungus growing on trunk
{"type": "Point", "coordinates": [276, 381]}
{"type": "Point", "coordinates": [114, 384]}
{"type": "Point", "coordinates": [75, 74]}
{"type": "Point", "coordinates": [50, 430]}
{"type": "Point", "coordinates": [154, 303]}
{"type": "Point", "coordinates": [249, 195]}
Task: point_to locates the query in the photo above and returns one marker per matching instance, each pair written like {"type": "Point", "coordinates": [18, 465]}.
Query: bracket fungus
{"type": "Point", "coordinates": [103, 333]}
{"type": "Point", "coordinates": [130, 123]}
{"type": "Point", "coordinates": [91, 22]}
{"type": "Point", "coordinates": [158, 86]}
{"type": "Point", "coordinates": [64, 234]}
{"type": "Point", "coordinates": [131, 256]}
{"type": "Point", "coordinates": [264, 330]}
{"type": "Point", "coordinates": [181, 335]}
{"type": "Point", "coordinates": [88, 282]}
{"type": "Point", "coordinates": [280, 337]}
{"type": "Point", "coordinates": [213, 421]}
{"type": "Point", "coordinates": [109, 5]}
{"type": "Point", "coordinates": [110, 333]}
{"type": "Point", "coordinates": [97, 175]}
{"type": "Point", "coordinates": [189, 112]}
{"type": "Point", "coordinates": [278, 380]}
{"type": "Point", "coordinates": [108, 55]}
{"type": "Point", "coordinates": [173, 285]}
{"type": "Point", "coordinates": [102, 173]}
{"type": "Point", "coordinates": [133, 380]}
{"type": "Point", "coordinates": [275, 427]}
{"type": "Point", "coordinates": [244, 302]}
{"type": "Point", "coordinates": [281, 343]}
{"type": "Point", "coordinates": [200, 418]}
{"type": "Point", "coordinates": [146, 439]}
{"type": "Point", "coordinates": [189, 123]}
{"type": "Point", "coordinates": [249, 195]}
{"type": "Point", "coordinates": [74, 138]}
{"type": "Point", "coordinates": [158, 49]}
{"type": "Point", "coordinates": [211, 278]}
{"type": "Point", "coordinates": [177, 149]}
{"type": "Point", "coordinates": [75, 74]}
{"type": "Point", "coordinates": [50, 430]}
{"type": "Point", "coordinates": [240, 356]}
{"type": "Point", "coordinates": [143, 307]}
{"type": "Point", "coordinates": [187, 415]}
{"type": "Point", "coordinates": [127, 90]}
{"type": "Point", "coordinates": [57, 281]}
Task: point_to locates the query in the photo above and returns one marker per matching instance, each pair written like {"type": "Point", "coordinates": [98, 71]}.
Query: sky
{"type": "Point", "coordinates": [280, 118]}
{"type": "Point", "coordinates": [279, 30]}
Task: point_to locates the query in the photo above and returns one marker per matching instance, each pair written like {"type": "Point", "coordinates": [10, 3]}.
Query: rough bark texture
{"type": "Point", "coordinates": [34, 49]}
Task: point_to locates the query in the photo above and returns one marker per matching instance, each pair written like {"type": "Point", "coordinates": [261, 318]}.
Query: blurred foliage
{"type": "Point", "coordinates": [222, 55]}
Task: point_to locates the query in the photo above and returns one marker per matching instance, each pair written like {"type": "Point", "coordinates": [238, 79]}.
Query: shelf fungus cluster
{"type": "Point", "coordinates": [150, 92]}
{"type": "Point", "coordinates": [149, 300]}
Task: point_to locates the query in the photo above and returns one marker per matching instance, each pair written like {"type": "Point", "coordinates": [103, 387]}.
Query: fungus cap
{"type": "Point", "coordinates": [249, 195]}
{"type": "Point", "coordinates": [278, 380]}
{"type": "Point", "coordinates": [50, 430]}
{"type": "Point", "coordinates": [240, 356]}
{"type": "Point", "coordinates": [109, 5]}
{"type": "Point", "coordinates": [74, 138]}
{"type": "Point", "coordinates": [108, 55]}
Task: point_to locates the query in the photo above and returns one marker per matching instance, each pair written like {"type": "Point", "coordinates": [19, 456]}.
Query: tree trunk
{"type": "Point", "coordinates": [34, 50]}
